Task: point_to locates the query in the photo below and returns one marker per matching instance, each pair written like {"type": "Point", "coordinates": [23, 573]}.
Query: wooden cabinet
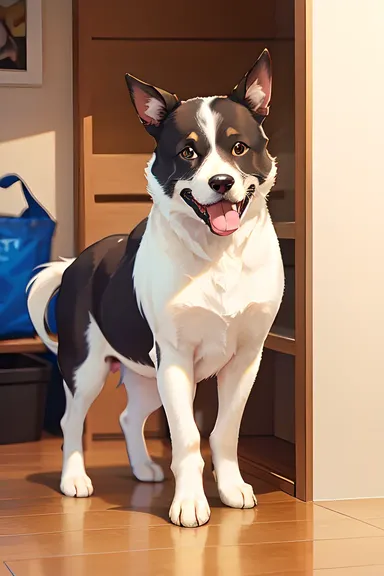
{"type": "Point", "coordinates": [204, 52]}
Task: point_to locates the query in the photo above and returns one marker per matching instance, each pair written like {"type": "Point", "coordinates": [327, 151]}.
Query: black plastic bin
{"type": "Point", "coordinates": [23, 386]}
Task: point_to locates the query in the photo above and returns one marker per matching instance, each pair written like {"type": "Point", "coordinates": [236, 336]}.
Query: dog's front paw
{"type": "Point", "coordinates": [76, 486]}
{"type": "Point", "coordinates": [148, 472]}
{"type": "Point", "coordinates": [237, 495]}
{"type": "Point", "coordinates": [190, 511]}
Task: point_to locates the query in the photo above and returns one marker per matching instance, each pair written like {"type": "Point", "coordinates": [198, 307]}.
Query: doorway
{"type": "Point", "coordinates": [206, 56]}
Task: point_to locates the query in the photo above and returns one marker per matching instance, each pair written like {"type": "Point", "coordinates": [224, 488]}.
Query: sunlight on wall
{"type": "Point", "coordinates": [22, 156]}
{"type": "Point", "coordinates": [36, 127]}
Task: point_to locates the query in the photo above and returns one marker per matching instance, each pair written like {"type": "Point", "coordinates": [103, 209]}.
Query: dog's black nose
{"type": "Point", "coordinates": [221, 183]}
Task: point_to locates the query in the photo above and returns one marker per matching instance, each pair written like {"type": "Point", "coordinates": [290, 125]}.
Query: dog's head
{"type": "Point", "coordinates": [211, 156]}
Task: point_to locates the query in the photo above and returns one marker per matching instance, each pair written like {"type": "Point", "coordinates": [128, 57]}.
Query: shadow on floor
{"type": "Point", "coordinates": [115, 487]}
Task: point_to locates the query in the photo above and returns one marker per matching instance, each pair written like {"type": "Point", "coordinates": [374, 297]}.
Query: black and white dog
{"type": "Point", "coordinates": [191, 292]}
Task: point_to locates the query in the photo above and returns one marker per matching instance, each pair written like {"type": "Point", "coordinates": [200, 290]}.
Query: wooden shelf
{"type": "Point", "coordinates": [22, 345]}
{"type": "Point", "coordinates": [269, 458]}
{"type": "Point", "coordinates": [285, 230]}
{"type": "Point", "coordinates": [281, 340]}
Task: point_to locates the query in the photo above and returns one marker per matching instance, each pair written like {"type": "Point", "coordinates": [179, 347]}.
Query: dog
{"type": "Point", "coordinates": [191, 292]}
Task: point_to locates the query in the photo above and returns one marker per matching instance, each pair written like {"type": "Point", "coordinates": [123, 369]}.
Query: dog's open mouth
{"type": "Point", "coordinates": [223, 218]}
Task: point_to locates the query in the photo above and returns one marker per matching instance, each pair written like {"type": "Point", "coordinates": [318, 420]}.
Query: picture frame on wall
{"type": "Point", "coordinates": [21, 43]}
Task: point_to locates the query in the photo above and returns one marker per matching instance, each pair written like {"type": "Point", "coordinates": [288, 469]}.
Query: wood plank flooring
{"type": "Point", "coordinates": [124, 528]}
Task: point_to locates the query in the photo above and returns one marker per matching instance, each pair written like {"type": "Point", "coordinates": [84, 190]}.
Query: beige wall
{"type": "Point", "coordinates": [36, 128]}
{"type": "Point", "coordinates": [348, 212]}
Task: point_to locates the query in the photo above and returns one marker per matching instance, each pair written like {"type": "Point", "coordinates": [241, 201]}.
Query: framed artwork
{"type": "Point", "coordinates": [21, 50]}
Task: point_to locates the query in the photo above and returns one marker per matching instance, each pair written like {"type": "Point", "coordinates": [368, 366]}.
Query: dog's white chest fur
{"type": "Point", "coordinates": [211, 306]}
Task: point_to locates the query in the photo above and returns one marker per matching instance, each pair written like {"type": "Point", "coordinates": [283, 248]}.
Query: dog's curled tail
{"type": "Point", "coordinates": [42, 288]}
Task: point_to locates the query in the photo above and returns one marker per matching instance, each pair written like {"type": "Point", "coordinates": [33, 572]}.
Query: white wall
{"type": "Point", "coordinates": [348, 252]}
{"type": "Point", "coordinates": [36, 128]}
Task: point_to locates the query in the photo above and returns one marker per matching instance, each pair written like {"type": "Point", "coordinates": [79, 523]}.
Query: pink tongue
{"type": "Point", "coordinates": [224, 220]}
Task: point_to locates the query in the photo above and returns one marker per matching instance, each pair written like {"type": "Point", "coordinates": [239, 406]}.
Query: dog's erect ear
{"type": "Point", "coordinates": [254, 90]}
{"type": "Point", "coordinates": [152, 104]}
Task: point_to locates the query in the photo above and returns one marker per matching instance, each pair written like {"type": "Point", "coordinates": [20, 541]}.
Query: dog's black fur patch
{"type": "Point", "coordinates": [256, 161]}
{"type": "Point", "coordinates": [100, 282]}
{"type": "Point", "coordinates": [169, 166]}
{"type": "Point", "coordinates": [117, 313]}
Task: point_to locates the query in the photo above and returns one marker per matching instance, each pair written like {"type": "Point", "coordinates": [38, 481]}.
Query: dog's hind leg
{"type": "Point", "coordinates": [143, 399]}
{"type": "Point", "coordinates": [87, 382]}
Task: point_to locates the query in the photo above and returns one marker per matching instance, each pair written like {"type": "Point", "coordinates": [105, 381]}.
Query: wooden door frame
{"type": "Point", "coordinates": [303, 250]}
{"type": "Point", "coordinates": [303, 216]}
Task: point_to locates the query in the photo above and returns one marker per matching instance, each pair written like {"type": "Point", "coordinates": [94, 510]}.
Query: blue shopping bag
{"type": "Point", "coordinates": [25, 242]}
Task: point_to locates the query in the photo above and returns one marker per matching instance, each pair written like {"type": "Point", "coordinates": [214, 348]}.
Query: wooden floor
{"type": "Point", "coordinates": [123, 529]}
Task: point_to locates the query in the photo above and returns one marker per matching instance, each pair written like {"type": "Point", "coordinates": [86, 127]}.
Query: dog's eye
{"type": "Point", "coordinates": [240, 149]}
{"type": "Point", "coordinates": [188, 153]}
